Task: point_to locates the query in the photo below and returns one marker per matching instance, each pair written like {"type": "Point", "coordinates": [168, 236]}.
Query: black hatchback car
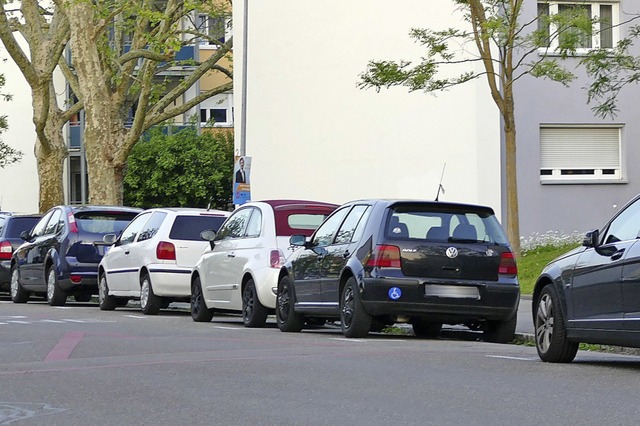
{"type": "Point", "coordinates": [373, 263]}
{"type": "Point", "coordinates": [592, 293]}
{"type": "Point", "coordinates": [60, 255]}
{"type": "Point", "coordinates": [11, 226]}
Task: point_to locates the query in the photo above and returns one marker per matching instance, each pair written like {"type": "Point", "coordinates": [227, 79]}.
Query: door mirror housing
{"type": "Point", "coordinates": [209, 235]}
{"type": "Point", "coordinates": [591, 238]}
{"type": "Point", "coordinates": [109, 239]}
{"type": "Point", "coordinates": [298, 240]}
{"type": "Point", "coordinates": [25, 235]}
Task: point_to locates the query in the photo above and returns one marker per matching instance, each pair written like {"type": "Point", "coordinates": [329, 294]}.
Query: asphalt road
{"type": "Point", "coordinates": [78, 365]}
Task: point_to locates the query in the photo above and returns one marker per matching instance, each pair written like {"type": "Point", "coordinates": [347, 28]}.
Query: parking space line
{"type": "Point", "coordinates": [516, 358]}
{"type": "Point", "coordinates": [229, 328]}
{"type": "Point", "coordinates": [50, 320]}
{"type": "Point", "coordinates": [135, 316]}
{"type": "Point", "coordinates": [19, 322]}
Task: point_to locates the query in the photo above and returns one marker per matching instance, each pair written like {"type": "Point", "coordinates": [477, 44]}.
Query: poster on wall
{"type": "Point", "coordinates": [242, 180]}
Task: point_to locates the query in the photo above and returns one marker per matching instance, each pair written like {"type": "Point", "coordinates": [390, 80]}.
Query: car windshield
{"type": "Point", "coordinates": [446, 223]}
{"type": "Point", "coordinates": [103, 222]}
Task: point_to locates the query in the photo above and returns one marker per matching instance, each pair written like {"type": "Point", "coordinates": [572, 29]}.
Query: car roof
{"type": "Point", "coordinates": [440, 204]}
{"type": "Point", "coordinates": [277, 204]}
{"type": "Point", "coordinates": [190, 210]}
{"type": "Point", "coordinates": [90, 208]}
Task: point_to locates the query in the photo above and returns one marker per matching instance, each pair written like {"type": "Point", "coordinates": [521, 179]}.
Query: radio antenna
{"type": "Point", "coordinates": [440, 187]}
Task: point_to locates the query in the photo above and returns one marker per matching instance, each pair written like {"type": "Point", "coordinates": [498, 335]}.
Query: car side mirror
{"type": "Point", "coordinates": [25, 235]}
{"type": "Point", "coordinates": [298, 240]}
{"type": "Point", "coordinates": [591, 238]}
{"type": "Point", "coordinates": [109, 239]}
{"type": "Point", "coordinates": [209, 235]}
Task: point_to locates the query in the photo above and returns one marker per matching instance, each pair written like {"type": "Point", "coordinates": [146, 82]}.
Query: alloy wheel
{"type": "Point", "coordinates": [14, 284]}
{"type": "Point", "coordinates": [347, 306]}
{"type": "Point", "coordinates": [544, 322]}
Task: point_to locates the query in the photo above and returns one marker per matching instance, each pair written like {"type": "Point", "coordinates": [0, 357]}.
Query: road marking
{"type": "Point", "coordinates": [62, 350]}
{"type": "Point", "coordinates": [12, 317]}
{"type": "Point", "coordinates": [344, 339]}
{"type": "Point", "coordinates": [13, 411]}
{"type": "Point", "coordinates": [228, 328]}
{"type": "Point", "coordinates": [62, 307]}
{"type": "Point", "coordinates": [54, 321]}
{"type": "Point", "coordinates": [4, 323]}
{"type": "Point", "coordinates": [135, 316]}
{"type": "Point", "coordinates": [19, 322]}
{"type": "Point", "coordinates": [73, 320]}
{"type": "Point", "coordinates": [511, 357]}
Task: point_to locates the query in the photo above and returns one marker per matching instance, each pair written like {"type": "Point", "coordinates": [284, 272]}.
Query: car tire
{"type": "Point", "coordinates": [501, 331]}
{"type": "Point", "coordinates": [106, 302]}
{"type": "Point", "coordinates": [199, 310]}
{"type": "Point", "coordinates": [287, 318]}
{"type": "Point", "coordinates": [55, 295]}
{"type": "Point", "coordinates": [254, 314]}
{"type": "Point", "coordinates": [354, 320]}
{"type": "Point", "coordinates": [550, 330]}
{"type": "Point", "coordinates": [18, 293]}
{"type": "Point", "coordinates": [149, 302]}
{"type": "Point", "coordinates": [426, 329]}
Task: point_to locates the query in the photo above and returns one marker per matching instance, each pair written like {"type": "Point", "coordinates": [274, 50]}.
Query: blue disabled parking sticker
{"type": "Point", "coordinates": [395, 293]}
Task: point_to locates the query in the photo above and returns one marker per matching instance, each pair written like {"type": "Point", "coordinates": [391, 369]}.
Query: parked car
{"type": "Point", "coordinates": [153, 258]}
{"type": "Point", "coordinates": [240, 271]}
{"type": "Point", "coordinates": [591, 294]}
{"type": "Point", "coordinates": [11, 226]}
{"type": "Point", "coordinates": [61, 253]}
{"type": "Point", "coordinates": [373, 263]}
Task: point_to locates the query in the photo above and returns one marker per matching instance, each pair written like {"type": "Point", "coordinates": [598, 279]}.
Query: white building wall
{"type": "Point", "coordinates": [312, 134]}
{"type": "Point", "coordinates": [19, 188]}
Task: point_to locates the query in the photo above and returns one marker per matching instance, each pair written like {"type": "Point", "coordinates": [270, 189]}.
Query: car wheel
{"type": "Point", "coordinates": [254, 314]}
{"type": "Point", "coordinates": [551, 335]}
{"type": "Point", "coordinates": [501, 331]}
{"type": "Point", "coordinates": [426, 329]}
{"type": "Point", "coordinates": [355, 321]}
{"type": "Point", "coordinates": [149, 302]}
{"type": "Point", "coordinates": [18, 294]}
{"type": "Point", "coordinates": [82, 297]}
{"type": "Point", "coordinates": [199, 310]}
{"type": "Point", "coordinates": [55, 295]}
{"type": "Point", "coordinates": [107, 302]}
{"type": "Point", "coordinates": [287, 318]}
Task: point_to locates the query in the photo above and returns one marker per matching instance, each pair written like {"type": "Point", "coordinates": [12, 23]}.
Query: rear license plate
{"type": "Point", "coordinates": [451, 291]}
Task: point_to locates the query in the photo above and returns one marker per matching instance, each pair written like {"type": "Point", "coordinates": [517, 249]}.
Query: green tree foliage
{"type": "Point", "coordinates": [180, 170]}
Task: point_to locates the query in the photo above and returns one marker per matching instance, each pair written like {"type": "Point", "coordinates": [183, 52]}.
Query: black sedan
{"type": "Point", "coordinates": [11, 226]}
{"type": "Point", "coordinates": [592, 293]}
{"type": "Point", "coordinates": [60, 255]}
{"type": "Point", "coordinates": [373, 263]}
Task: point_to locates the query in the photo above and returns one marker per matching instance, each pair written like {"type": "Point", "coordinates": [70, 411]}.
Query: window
{"type": "Point", "coordinates": [324, 234]}
{"type": "Point", "coordinates": [55, 223]}
{"type": "Point", "coordinates": [213, 28]}
{"type": "Point", "coordinates": [189, 227]}
{"type": "Point", "coordinates": [602, 35]}
{"type": "Point", "coordinates": [40, 226]}
{"type": "Point", "coordinates": [354, 221]}
{"type": "Point", "coordinates": [130, 232]}
{"type": "Point", "coordinates": [217, 115]}
{"type": "Point", "coordinates": [580, 153]}
{"type": "Point", "coordinates": [625, 226]}
{"type": "Point", "coordinates": [151, 227]}
{"type": "Point", "coordinates": [235, 226]}
{"type": "Point", "coordinates": [255, 224]}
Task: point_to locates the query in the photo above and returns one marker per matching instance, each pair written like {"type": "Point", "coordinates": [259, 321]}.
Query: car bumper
{"type": "Point", "coordinates": [170, 281]}
{"type": "Point", "coordinates": [455, 302]}
{"type": "Point", "coordinates": [5, 275]}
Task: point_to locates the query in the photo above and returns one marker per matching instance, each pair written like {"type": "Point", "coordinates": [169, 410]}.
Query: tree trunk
{"type": "Point", "coordinates": [513, 221]}
{"type": "Point", "coordinates": [103, 131]}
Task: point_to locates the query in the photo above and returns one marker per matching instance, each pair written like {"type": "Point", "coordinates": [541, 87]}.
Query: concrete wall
{"type": "Point", "coordinates": [19, 188]}
{"type": "Point", "coordinates": [570, 208]}
{"type": "Point", "coordinates": [313, 134]}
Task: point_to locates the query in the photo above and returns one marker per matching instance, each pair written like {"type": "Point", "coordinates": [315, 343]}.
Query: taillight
{"type": "Point", "coordinates": [507, 264]}
{"type": "Point", "coordinates": [5, 250]}
{"type": "Point", "coordinates": [276, 259]}
{"type": "Point", "coordinates": [165, 251]}
{"type": "Point", "coordinates": [385, 257]}
{"type": "Point", "coordinates": [73, 227]}
{"type": "Point", "coordinates": [76, 279]}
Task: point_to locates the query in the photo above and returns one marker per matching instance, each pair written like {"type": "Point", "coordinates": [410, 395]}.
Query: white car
{"type": "Point", "coordinates": [153, 257]}
{"type": "Point", "coordinates": [240, 271]}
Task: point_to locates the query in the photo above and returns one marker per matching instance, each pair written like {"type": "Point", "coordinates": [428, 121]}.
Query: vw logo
{"type": "Point", "coordinates": [452, 252]}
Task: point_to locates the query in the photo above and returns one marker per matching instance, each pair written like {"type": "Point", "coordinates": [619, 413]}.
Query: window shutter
{"type": "Point", "coordinates": [579, 148]}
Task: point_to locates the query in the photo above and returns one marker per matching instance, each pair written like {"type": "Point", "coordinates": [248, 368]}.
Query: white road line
{"type": "Point", "coordinates": [135, 316]}
{"type": "Point", "coordinates": [54, 321]}
{"type": "Point", "coordinates": [63, 307]}
{"type": "Point", "coordinates": [344, 339]}
{"type": "Point", "coordinates": [228, 328]}
{"type": "Point", "coordinates": [12, 317]}
{"type": "Point", "coordinates": [511, 357]}
{"type": "Point", "coordinates": [73, 320]}
{"type": "Point", "coordinates": [4, 323]}
{"type": "Point", "coordinates": [19, 322]}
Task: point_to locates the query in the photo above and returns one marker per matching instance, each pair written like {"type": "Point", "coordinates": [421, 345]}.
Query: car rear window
{"type": "Point", "coordinates": [189, 227]}
{"type": "Point", "coordinates": [16, 225]}
{"type": "Point", "coordinates": [289, 222]}
{"type": "Point", "coordinates": [445, 224]}
{"type": "Point", "coordinates": [103, 222]}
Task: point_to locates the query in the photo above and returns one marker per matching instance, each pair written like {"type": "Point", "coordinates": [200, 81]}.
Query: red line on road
{"type": "Point", "coordinates": [62, 350]}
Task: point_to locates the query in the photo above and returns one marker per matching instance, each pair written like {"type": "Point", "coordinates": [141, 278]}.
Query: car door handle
{"type": "Point", "coordinates": [617, 255]}
{"type": "Point", "coordinates": [231, 255]}
{"type": "Point", "coordinates": [127, 252]}
{"type": "Point", "coordinates": [346, 254]}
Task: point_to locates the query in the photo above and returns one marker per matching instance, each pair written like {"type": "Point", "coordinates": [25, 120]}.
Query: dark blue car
{"type": "Point", "coordinates": [60, 255]}
{"type": "Point", "coordinates": [11, 226]}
